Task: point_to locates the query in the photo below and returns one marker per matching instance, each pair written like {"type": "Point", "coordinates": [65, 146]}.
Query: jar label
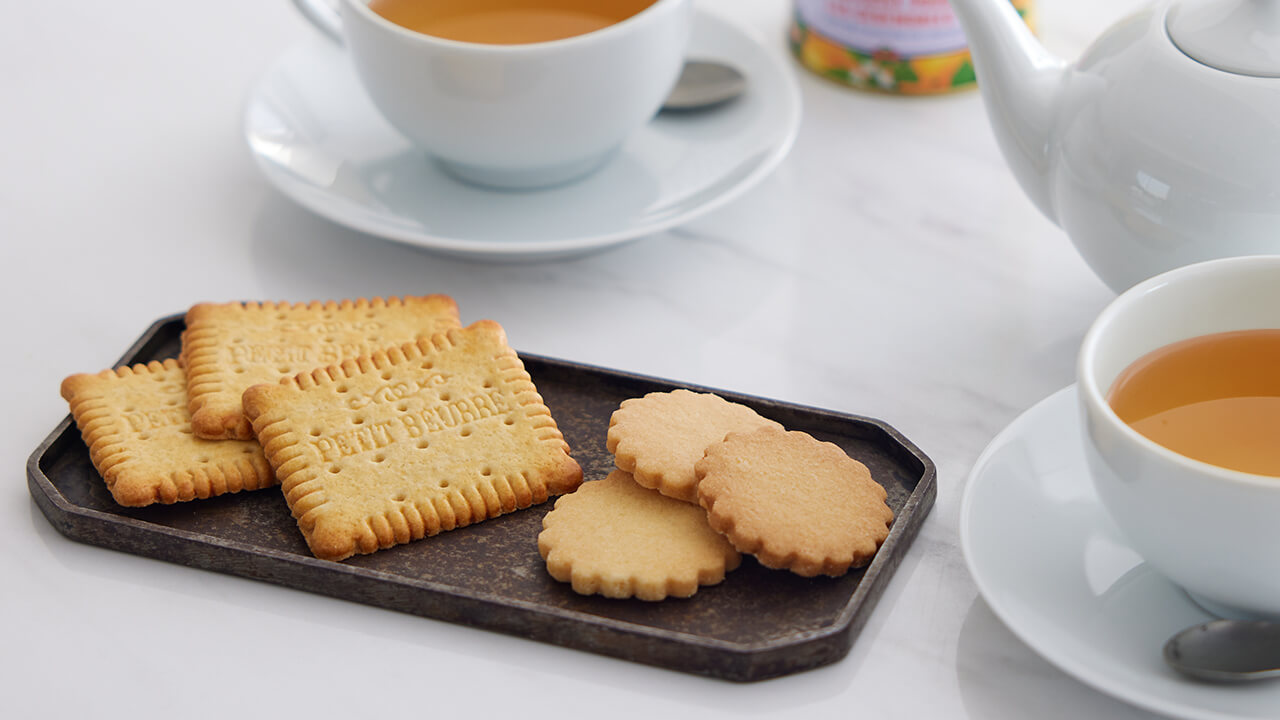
{"type": "Point", "coordinates": [906, 47]}
{"type": "Point", "coordinates": [905, 27]}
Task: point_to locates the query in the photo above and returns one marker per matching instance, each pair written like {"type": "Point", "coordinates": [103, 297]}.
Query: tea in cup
{"type": "Point", "coordinates": [1214, 398]}
{"type": "Point", "coordinates": [1179, 382]}
{"type": "Point", "coordinates": [515, 93]}
{"type": "Point", "coordinates": [506, 22]}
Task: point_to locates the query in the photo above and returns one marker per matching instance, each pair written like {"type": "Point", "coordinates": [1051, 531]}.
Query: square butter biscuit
{"type": "Point", "coordinates": [227, 347]}
{"type": "Point", "coordinates": [410, 441]}
{"type": "Point", "coordinates": [136, 424]}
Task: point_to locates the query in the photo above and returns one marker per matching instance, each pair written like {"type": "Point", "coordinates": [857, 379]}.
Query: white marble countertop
{"type": "Point", "coordinates": [889, 267]}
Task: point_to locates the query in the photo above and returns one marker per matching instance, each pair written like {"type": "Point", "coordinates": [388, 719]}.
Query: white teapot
{"type": "Point", "coordinates": [1159, 147]}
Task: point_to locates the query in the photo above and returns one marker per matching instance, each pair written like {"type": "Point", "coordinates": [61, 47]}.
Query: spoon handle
{"type": "Point", "coordinates": [324, 16]}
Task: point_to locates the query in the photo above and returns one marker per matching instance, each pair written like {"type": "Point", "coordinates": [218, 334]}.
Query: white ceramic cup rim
{"type": "Point", "coordinates": [1095, 396]}
{"type": "Point", "coordinates": [595, 36]}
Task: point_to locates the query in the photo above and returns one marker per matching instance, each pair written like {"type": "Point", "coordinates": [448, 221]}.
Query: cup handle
{"type": "Point", "coordinates": [324, 15]}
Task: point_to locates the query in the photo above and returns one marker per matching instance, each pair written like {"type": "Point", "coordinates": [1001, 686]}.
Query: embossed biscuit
{"type": "Point", "coordinates": [617, 539]}
{"type": "Point", "coordinates": [136, 424]}
{"type": "Point", "coordinates": [410, 441]}
{"type": "Point", "coordinates": [793, 501]}
{"type": "Point", "coordinates": [228, 347]}
{"type": "Point", "coordinates": [658, 438]}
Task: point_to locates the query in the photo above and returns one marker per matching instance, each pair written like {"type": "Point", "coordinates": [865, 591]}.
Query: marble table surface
{"type": "Point", "coordinates": [889, 267]}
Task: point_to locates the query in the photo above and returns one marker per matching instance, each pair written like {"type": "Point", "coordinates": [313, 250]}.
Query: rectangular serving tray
{"type": "Point", "coordinates": [757, 624]}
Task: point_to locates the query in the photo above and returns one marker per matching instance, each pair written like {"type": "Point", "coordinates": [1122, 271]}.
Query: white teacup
{"type": "Point", "coordinates": [1213, 531]}
{"type": "Point", "coordinates": [515, 116]}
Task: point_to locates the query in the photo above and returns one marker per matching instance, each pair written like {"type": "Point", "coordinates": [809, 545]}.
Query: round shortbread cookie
{"type": "Point", "coordinates": [614, 538]}
{"type": "Point", "coordinates": [659, 437]}
{"type": "Point", "coordinates": [793, 502]}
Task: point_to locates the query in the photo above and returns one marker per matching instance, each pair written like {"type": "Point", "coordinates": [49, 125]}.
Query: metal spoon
{"type": "Point", "coordinates": [704, 84]}
{"type": "Point", "coordinates": [1226, 651]}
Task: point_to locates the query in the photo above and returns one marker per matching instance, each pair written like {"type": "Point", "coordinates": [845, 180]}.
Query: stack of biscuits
{"type": "Point", "coordinates": [382, 420]}
{"type": "Point", "coordinates": [699, 480]}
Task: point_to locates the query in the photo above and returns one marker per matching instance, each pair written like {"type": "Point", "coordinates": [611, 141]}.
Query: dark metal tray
{"type": "Point", "coordinates": [757, 624]}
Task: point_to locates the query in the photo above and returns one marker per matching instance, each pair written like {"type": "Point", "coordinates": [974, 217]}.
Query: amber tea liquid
{"type": "Point", "coordinates": [507, 22]}
{"type": "Point", "coordinates": [1215, 398]}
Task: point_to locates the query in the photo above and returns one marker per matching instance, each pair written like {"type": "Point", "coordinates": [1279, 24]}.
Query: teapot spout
{"type": "Point", "coordinates": [1020, 83]}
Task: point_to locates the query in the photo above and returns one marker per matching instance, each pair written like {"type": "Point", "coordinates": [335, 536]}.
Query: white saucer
{"type": "Point", "coordinates": [318, 139]}
{"type": "Point", "coordinates": [1052, 566]}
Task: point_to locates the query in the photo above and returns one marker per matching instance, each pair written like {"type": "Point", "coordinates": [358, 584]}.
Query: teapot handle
{"type": "Point", "coordinates": [324, 15]}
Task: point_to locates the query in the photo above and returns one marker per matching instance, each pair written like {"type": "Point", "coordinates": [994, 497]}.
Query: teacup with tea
{"type": "Point", "coordinates": [1179, 381]}
{"type": "Point", "coordinates": [514, 93]}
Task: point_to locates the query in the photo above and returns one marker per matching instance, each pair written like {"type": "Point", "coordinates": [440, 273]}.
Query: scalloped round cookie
{"type": "Point", "coordinates": [659, 437]}
{"type": "Point", "coordinates": [793, 501]}
{"type": "Point", "coordinates": [614, 538]}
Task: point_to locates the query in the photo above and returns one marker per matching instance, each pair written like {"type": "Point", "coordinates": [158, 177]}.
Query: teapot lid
{"type": "Point", "coordinates": [1236, 36]}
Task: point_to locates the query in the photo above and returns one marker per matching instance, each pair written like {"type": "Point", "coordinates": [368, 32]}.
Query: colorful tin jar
{"type": "Point", "coordinates": [907, 47]}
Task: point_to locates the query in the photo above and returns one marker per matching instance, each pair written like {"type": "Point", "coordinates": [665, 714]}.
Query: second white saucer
{"type": "Point", "coordinates": [318, 139]}
{"type": "Point", "coordinates": [1053, 567]}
